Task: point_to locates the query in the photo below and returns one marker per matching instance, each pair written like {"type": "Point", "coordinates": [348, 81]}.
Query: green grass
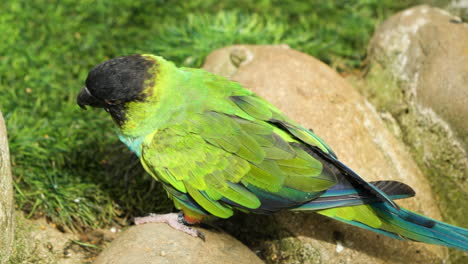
{"type": "Point", "coordinates": [67, 163]}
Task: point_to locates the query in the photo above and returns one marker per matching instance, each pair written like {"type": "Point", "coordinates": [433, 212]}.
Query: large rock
{"type": "Point", "coordinates": [159, 243]}
{"type": "Point", "coordinates": [427, 49]}
{"type": "Point", "coordinates": [419, 75]}
{"type": "Point", "coordinates": [6, 197]}
{"type": "Point", "coordinates": [314, 95]}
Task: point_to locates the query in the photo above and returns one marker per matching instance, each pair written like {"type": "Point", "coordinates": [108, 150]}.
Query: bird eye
{"type": "Point", "coordinates": [113, 102]}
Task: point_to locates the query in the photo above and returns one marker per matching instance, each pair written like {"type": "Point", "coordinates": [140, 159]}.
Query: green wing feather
{"type": "Point", "coordinates": [194, 166]}
{"type": "Point", "coordinates": [235, 152]}
{"type": "Point", "coordinates": [219, 155]}
{"type": "Point", "coordinates": [260, 109]}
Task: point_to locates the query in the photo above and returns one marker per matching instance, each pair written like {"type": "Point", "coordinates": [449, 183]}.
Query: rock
{"type": "Point", "coordinates": [40, 242]}
{"type": "Point", "coordinates": [160, 243]}
{"type": "Point", "coordinates": [426, 48]}
{"type": "Point", "coordinates": [6, 197]}
{"type": "Point", "coordinates": [314, 95]}
{"type": "Point", "coordinates": [420, 56]}
{"type": "Point", "coordinates": [456, 7]}
{"type": "Point", "coordinates": [459, 8]}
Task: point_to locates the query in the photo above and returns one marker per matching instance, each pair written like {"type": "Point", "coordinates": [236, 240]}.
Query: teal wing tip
{"type": "Point", "coordinates": [328, 148]}
{"type": "Point", "coordinates": [347, 195]}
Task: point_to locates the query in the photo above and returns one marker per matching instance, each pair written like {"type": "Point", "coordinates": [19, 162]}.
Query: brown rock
{"type": "Point", "coordinates": [428, 48]}
{"type": "Point", "coordinates": [314, 95]}
{"type": "Point", "coordinates": [6, 197]}
{"type": "Point", "coordinates": [423, 52]}
{"type": "Point", "coordinates": [159, 243]}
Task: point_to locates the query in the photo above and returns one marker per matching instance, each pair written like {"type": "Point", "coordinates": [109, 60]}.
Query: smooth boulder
{"type": "Point", "coordinates": [160, 243]}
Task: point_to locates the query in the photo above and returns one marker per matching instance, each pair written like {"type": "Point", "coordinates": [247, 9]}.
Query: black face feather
{"type": "Point", "coordinates": [115, 82]}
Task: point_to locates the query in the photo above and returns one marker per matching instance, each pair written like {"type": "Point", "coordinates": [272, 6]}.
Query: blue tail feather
{"type": "Point", "coordinates": [404, 224]}
{"type": "Point", "coordinates": [423, 229]}
{"type": "Point", "coordinates": [397, 223]}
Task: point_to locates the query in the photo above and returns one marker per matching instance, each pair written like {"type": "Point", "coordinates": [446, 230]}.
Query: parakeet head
{"type": "Point", "coordinates": [115, 83]}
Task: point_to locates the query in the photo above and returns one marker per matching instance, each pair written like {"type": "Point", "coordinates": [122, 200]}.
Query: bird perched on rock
{"type": "Point", "coordinates": [216, 147]}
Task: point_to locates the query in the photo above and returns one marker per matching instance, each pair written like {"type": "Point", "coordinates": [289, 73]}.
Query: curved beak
{"type": "Point", "coordinates": [85, 98]}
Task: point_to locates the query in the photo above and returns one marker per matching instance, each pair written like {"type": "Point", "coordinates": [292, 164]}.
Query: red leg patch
{"type": "Point", "coordinates": [193, 219]}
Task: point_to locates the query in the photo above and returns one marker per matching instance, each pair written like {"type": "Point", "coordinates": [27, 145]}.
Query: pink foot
{"type": "Point", "coordinates": [172, 219]}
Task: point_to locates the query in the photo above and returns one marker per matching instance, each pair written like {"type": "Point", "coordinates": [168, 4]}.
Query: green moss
{"type": "Point", "coordinates": [433, 149]}
{"type": "Point", "coordinates": [444, 165]}
{"type": "Point", "coordinates": [273, 242]}
{"type": "Point", "coordinates": [382, 89]}
{"type": "Point", "coordinates": [291, 250]}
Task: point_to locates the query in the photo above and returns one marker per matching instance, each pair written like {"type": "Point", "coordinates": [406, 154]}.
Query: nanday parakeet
{"type": "Point", "coordinates": [217, 147]}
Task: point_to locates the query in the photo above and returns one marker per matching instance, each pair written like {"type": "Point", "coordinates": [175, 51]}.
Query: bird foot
{"type": "Point", "coordinates": [174, 220]}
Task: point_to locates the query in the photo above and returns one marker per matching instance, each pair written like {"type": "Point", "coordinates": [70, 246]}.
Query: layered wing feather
{"type": "Point", "coordinates": [223, 161]}
{"type": "Point", "coordinates": [306, 140]}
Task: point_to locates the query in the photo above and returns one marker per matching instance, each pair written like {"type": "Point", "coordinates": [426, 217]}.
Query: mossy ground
{"type": "Point", "coordinates": [291, 250]}
{"type": "Point", "coordinates": [34, 245]}
{"type": "Point", "coordinates": [39, 241]}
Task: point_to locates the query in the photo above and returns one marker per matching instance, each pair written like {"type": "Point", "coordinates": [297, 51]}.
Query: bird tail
{"type": "Point", "coordinates": [370, 205]}
{"type": "Point", "coordinates": [401, 224]}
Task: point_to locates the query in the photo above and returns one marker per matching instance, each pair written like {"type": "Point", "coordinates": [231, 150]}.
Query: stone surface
{"type": "Point", "coordinates": [314, 95]}
{"type": "Point", "coordinates": [39, 242]}
{"type": "Point", "coordinates": [420, 56]}
{"type": "Point", "coordinates": [6, 197]}
{"type": "Point", "coordinates": [159, 243]}
{"type": "Point", "coordinates": [456, 7]}
{"type": "Point", "coordinates": [428, 48]}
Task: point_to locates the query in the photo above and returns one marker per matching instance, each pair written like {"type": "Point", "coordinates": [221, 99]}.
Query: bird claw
{"type": "Point", "coordinates": [200, 235]}
{"type": "Point", "coordinates": [174, 220]}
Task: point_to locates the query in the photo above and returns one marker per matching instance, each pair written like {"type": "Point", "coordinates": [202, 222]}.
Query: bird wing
{"type": "Point", "coordinates": [308, 141]}
{"type": "Point", "coordinates": [224, 161]}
